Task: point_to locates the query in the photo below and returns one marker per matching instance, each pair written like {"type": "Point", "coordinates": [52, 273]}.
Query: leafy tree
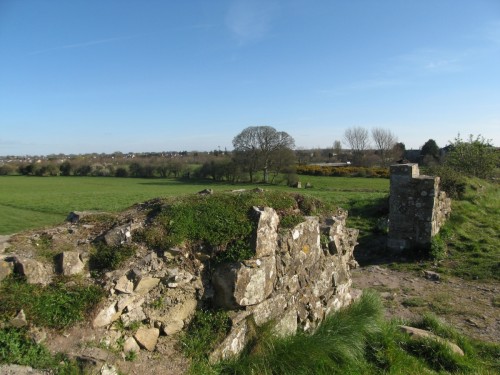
{"type": "Point", "coordinates": [429, 154]}
{"type": "Point", "coordinates": [65, 168]}
{"type": "Point", "coordinates": [430, 148]}
{"type": "Point", "coordinates": [474, 157]}
{"type": "Point", "coordinates": [358, 140]}
{"type": "Point", "coordinates": [259, 147]}
{"type": "Point", "coordinates": [384, 142]}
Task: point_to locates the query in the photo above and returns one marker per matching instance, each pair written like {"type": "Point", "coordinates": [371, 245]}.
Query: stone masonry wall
{"type": "Point", "coordinates": [297, 277]}
{"type": "Point", "coordinates": [295, 280]}
{"type": "Point", "coordinates": [418, 208]}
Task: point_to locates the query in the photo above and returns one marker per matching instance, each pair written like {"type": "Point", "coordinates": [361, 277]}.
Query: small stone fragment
{"type": "Point", "coordinates": [173, 327]}
{"type": "Point", "coordinates": [131, 345]}
{"type": "Point", "coordinates": [145, 284]}
{"type": "Point", "coordinates": [19, 320]}
{"type": "Point", "coordinates": [147, 337]}
{"type": "Point", "coordinates": [124, 285]}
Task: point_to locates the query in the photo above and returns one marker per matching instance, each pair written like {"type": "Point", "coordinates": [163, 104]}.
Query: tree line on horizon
{"type": "Point", "coordinates": [266, 154]}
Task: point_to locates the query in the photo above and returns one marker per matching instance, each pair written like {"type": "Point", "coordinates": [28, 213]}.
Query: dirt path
{"type": "Point", "coordinates": [473, 308]}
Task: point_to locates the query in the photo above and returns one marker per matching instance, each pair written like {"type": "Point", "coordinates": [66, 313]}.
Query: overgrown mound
{"type": "Point", "coordinates": [221, 224]}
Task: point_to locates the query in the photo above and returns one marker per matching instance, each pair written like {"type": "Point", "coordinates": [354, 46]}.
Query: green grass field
{"type": "Point", "coordinates": [36, 202]}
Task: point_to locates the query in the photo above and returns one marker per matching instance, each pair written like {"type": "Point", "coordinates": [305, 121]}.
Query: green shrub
{"type": "Point", "coordinates": [348, 171]}
{"type": "Point", "coordinates": [106, 257]}
{"type": "Point", "coordinates": [438, 248]}
{"type": "Point", "coordinates": [453, 183]}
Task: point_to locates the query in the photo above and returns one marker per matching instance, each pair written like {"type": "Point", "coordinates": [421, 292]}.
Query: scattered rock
{"type": "Point", "coordinates": [70, 263]}
{"type": "Point", "coordinates": [173, 327]}
{"type": "Point", "coordinates": [37, 335]}
{"type": "Point", "coordinates": [106, 316]}
{"type": "Point", "coordinates": [19, 320]}
{"type": "Point", "coordinates": [206, 192]}
{"type": "Point", "coordinates": [6, 268]}
{"type": "Point", "coordinates": [20, 370]}
{"type": "Point", "coordinates": [135, 315]}
{"type": "Point", "coordinates": [118, 235]}
{"type": "Point", "coordinates": [108, 369]}
{"type": "Point", "coordinates": [147, 337]}
{"type": "Point", "coordinates": [4, 243]}
{"type": "Point", "coordinates": [145, 284]}
{"type": "Point", "coordinates": [34, 272]}
{"type": "Point", "coordinates": [421, 333]}
{"type": "Point", "coordinates": [124, 285]}
{"type": "Point", "coordinates": [431, 275]}
{"type": "Point", "coordinates": [131, 345]}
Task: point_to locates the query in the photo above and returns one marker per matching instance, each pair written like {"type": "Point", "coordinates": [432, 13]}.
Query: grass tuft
{"type": "Point", "coordinates": [55, 306]}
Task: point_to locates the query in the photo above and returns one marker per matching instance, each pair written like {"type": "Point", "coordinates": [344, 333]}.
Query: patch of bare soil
{"type": "Point", "coordinates": [92, 347]}
{"type": "Point", "coordinates": [472, 307]}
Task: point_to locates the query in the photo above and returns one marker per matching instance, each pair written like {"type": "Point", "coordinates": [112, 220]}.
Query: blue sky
{"type": "Point", "coordinates": [120, 75]}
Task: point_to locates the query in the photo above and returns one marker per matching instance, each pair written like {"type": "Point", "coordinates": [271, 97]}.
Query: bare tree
{"type": "Point", "coordinates": [358, 140]}
{"type": "Point", "coordinates": [259, 147]}
{"type": "Point", "coordinates": [384, 142]}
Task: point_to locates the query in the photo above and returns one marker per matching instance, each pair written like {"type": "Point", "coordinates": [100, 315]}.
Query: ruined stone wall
{"type": "Point", "coordinates": [295, 280]}
{"type": "Point", "coordinates": [418, 208]}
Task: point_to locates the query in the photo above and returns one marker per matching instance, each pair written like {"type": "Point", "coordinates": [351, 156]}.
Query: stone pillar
{"type": "Point", "coordinates": [416, 208]}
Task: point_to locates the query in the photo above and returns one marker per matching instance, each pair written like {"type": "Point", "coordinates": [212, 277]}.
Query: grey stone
{"type": "Point", "coordinates": [118, 235]}
{"type": "Point", "coordinates": [147, 337]}
{"type": "Point", "coordinates": [206, 192]}
{"type": "Point", "coordinates": [145, 285]}
{"type": "Point", "coordinates": [124, 285]}
{"type": "Point", "coordinates": [106, 316]}
{"type": "Point", "coordinates": [129, 302]}
{"type": "Point", "coordinates": [232, 345]}
{"type": "Point", "coordinates": [135, 315]}
{"type": "Point", "coordinates": [269, 309]}
{"type": "Point", "coordinates": [420, 333]}
{"type": "Point", "coordinates": [431, 275]}
{"type": "Point", "coordinates": [238, 284]}
{"type": "Point", "coordinates": [267, 231]}
{"type": "Point", "coordinates": [108, 369]}
{"type": "Point", "coordinates": [131, 345]}
{"type": "Point", "coordinates": [20, 370]}
{"type": "Point", "coordinates": [173, 327]}
{"type": "Point", "coordinates": [34, 272]}
{"type": "Point", "coordinates": [287, 324]}
{"type": "Point", "coordinates": [4, 243]}
{"type": "Point", "coordinates": [6, 268]}
{"type": "Point", "coordinates": [70, 263]}
{"type": "Point", "coordinates": [19, 320]}
{"type": "Point", "coordinates": [418, 208]}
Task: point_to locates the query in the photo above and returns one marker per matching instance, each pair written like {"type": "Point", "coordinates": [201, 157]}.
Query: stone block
{"type": "Point", "coordinates": [147, 337]}
{"type": "Point", "coordinates": [239, 284]}
{"type": "Point", "coordinates": [70, 263]}
{"type": "Point", "coordinates": [34, 271]}
{"type": "Point", "coordinates": [267, 231]}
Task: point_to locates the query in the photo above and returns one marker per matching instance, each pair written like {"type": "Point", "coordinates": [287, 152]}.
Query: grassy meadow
{"type": "Point", "coordinates": [35, 202]}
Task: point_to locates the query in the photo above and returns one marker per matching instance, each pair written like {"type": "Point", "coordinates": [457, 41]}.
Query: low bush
{"type": "Point", "coordinates": [318, 170]}
{"type": "Point", "coordinates": [105, 257]}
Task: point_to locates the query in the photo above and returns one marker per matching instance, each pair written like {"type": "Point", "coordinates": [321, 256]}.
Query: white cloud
{"type": "Point", "coordinates": [250, 20]}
